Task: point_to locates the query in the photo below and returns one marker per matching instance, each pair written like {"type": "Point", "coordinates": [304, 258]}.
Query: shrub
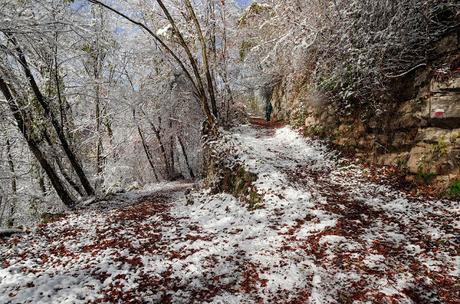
{"type": "Point", "coordinates": [372, 43]}
{"type": "Point", "coordinates": [441, 147]}
{"type": "Point", "coordinates": [454, 189]}
{"type": "Point", "coordinates": [355, 51]}
{"type": "Point", "coordinates": [425, 176]}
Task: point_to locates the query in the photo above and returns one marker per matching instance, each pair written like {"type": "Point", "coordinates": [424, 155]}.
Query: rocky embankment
{"type": "Point", "coordinates": [418, 134]}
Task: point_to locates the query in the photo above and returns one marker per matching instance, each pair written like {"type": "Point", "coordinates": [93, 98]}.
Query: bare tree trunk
{"type": "Point", "coordinates": [14, 186]}
{"type": "Point", "coordinates": [146, 148]}
{"type": "Point", "coordinates": [2, 207]}
{"type": "Point", "coordinates": [46, 108]}
{"type": "Point", "coordinates": [229, 98]}
{"type": "Point", "coordinates": [69, 179]}
{"type": "Point", "coordinates": [98, 57]}
{"type": "Point", "coordinates": [211, 22]}
{"type": "Point", "coordinates": [147, 153]}
{"type": "Point", "coordinates": [198, 88]}
{"type": "Point", "coordinates": [184, 152]}
{"type": "Point", "coordinates": [204, 51]}
{"type": "Point", "coordinates": [40, 179]}
{"type": "Point", "coordinates": [55, 156]}
{"type": "Point", "coordinates": [164, 155]}
{"type": "Point", "coordinates": [57, 81]}
{"type": "Point", "coordinates": [192, 60]}
{"type": "Point", "coordinates": [61, 191]}
{"type": "Point", "coordinates": [171, 151]}
{"type": "Point", "coordinates": [108, 127]}
{"type": "Point", "coordinates": [99, 147]}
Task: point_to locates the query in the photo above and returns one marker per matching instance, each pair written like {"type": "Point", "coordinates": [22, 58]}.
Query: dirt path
{"type": "Point", "coordinates": [325, 234]}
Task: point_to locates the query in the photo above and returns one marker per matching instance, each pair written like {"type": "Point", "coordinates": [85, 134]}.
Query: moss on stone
{"type": "Point", "coordinates": [239, 183]}
{"type": "Point", "coordinates": [425, 176]}
{"type": "Point", "coordinates": [454, 189]}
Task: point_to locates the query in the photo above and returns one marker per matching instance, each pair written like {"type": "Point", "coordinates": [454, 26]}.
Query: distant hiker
{"type": "Point", "coordinates": [266, 94]}
{"type": "Point", "coordinates": [268, 111]}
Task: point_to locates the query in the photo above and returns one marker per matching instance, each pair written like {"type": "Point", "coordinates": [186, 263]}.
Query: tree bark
{"type": "Point", "coordinates": [99, 146]}
{"type": "Point", "coordinates": [184, 152]}
{"type": "Point", "coordinates": [172, 168]}
{"type": "Point", "coordinates": [46, 108]}
{"type": "Point", "coordinates": [204, 51]}
{"type": "Point", "coordinates": [69, 179]}
{"type": "Point", "coordinates": [146, 148]}
{"type": "Point", "coordinates": [198, 89]}
{"type": "Point", "coordinates": [55, 156]}
{"type": "Point", "coordinates": [147, 153]}
{"type": "Point", "coordinates": [229, 99]}
{"type": "Point", "coordinates": [40, 179]}
{"type": "Point", "coordinates": [164, 155]}
{"type": "Point", "coordinates": [97, 57]}
{"type": "Point", "coordinates": [108, 127]}
{"type": "Point", "coordinates": [2, 207]}
{"type": "Point", "coordinates": [14, 186]}
{"type": "Point", "coordinates": [61, 191]}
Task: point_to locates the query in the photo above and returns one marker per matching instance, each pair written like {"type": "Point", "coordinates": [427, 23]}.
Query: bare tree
{"type": "Point", "coordinates": [197, 82]}
{"type": "Point", "coordinates": [49, 114]}
{"type": "Point", "coordinates": [24, 128]}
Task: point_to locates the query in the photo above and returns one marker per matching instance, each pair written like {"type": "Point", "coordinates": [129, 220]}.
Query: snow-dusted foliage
{"type": "Point", "coordinates": [352, 50]}
{"type": "Point", "coordinates": [109, 107]}
{"type": "Point", "coordinates": [364, 45]}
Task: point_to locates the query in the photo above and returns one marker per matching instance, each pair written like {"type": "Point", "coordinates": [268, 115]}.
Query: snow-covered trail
{"type": "Point", "coordinates": [325, 234]}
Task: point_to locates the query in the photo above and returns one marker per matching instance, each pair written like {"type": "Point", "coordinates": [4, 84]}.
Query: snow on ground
{"type": "Point", "coordinates": [325, 234]}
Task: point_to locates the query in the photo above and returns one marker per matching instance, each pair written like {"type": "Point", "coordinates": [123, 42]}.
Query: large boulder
{"type": "Point", "coordinates": [433, 135]}
{"type": "Point", "coordinates": [410, 114]}
{"type": "Point", "coordinates": [403, 139]}
{"type": "Point", "coordinates": [393, 159]}
{"type": "Point", "coordinates": [444, 104]}
{"type": "Point", "coordinates": [437, 151]}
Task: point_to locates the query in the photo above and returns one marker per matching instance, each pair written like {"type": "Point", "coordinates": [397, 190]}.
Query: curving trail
{"type": "Point", "coordinates": [325, 234]}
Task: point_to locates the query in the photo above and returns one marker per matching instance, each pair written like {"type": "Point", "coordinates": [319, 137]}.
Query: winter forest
{"type": "Point", "coordinates": [230, 151]}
